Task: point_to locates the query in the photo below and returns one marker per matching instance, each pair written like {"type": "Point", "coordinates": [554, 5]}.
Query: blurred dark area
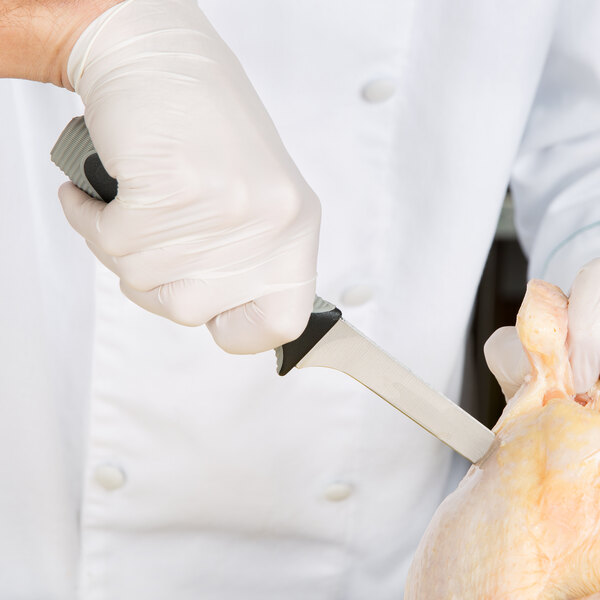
{"type": "Point", "coordinates": [500, 293]}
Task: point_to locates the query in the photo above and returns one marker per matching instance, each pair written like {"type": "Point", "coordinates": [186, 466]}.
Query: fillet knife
{"type": "Point", "coordinates": [327, 341]}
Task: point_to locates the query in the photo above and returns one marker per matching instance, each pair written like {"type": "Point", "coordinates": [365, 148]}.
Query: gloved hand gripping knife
{"type": "Point", "coordinates": [327, 340]}
{"type": "Point", "coordinates": [75, 155]}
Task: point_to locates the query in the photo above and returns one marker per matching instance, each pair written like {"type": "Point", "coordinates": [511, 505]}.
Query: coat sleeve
{"type": "Point", "coordinates": [556, 176]}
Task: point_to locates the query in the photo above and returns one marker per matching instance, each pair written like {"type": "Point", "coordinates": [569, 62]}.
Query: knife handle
{"type": "Point", "coordinates": [323, 317]}
{"type": "Point", "coordinates": [76, 157]}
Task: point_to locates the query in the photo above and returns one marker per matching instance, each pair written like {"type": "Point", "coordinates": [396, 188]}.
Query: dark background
{"type": "Point", "coordinates": [499, 296]}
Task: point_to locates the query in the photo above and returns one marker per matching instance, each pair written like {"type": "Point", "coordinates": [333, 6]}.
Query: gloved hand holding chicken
{"type": "Point", "coordinates": [525, 522]}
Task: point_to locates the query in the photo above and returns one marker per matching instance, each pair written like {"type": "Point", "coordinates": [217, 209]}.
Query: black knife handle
{"type": "Point", "coordinates": [323, 317]}
{"type": "Point", "coordinates": [76, 157]}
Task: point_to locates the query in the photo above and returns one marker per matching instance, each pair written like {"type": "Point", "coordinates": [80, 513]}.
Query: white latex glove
{"type": "Point", "coordinates": [213, 223]}
{"type": "Point", "coordinates": [507, 361]}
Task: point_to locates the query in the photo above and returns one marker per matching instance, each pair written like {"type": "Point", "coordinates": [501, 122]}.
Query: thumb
{"type": "Point", "coordinates": [584, 327]}
{"type": "Point", "coordinates": [83, 212]}
{"type": "Point", "coordinates": [264, 323]}
{"type": "Point", "coordinates": [507, 360]}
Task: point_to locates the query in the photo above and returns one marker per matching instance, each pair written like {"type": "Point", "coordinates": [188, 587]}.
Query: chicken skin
{"type": "Point", "coordinates": [524, 523]}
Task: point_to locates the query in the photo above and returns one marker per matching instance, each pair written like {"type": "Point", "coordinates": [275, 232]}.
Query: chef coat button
{"type": "Point", "coordinates": [379, 90]}
{"type": "Point", "coordinates": [338, 491]}
{"type": "Point", "coordinates": [109, 477]}
{"type": "Point", "coordinates": [357, 295]}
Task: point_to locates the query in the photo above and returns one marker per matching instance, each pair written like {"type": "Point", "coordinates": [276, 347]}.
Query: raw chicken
{"type": "Point", "coordinates": [524, 522]}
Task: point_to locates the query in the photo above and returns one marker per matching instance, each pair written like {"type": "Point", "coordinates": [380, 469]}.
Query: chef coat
{"type": "Point", "coordinates": [140, 461]}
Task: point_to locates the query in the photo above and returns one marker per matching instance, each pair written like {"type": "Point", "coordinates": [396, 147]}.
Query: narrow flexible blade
{"type": "Point", "coordinates": [346, 349]}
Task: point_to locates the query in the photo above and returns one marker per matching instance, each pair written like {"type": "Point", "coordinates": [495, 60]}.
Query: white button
{"type": "Point", "coordinates": [109, 477]}
{"type": "Point", "coordinates": [379, 90]}
{"type": "Point", "coordinates": [336, 492]}
{"type": "Point", "coordinates": [356, 295]}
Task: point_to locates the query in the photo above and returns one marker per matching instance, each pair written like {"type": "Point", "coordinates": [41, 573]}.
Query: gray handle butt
{"type": "Point", "coordinates": [76, 157]}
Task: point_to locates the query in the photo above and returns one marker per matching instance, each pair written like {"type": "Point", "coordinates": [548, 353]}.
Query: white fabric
{"type": "Point", "coordinates": [556, 179]}
{"type": "Point", "coordinates": [212, 222]}
{"type": "Point", "coordinates": [226, 467]}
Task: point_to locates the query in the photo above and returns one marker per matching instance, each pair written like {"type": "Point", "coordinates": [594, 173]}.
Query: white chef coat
{"type": "Point", "coordinates": [140, 461]}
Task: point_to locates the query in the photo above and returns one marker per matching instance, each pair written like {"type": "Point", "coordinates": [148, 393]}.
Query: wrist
{"type": "Point", "coordinates": [36, 38]}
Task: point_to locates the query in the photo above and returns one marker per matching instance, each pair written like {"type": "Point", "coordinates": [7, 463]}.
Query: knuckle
{"type": "Point", "coordinates": [285, 326]}
{"type": "Point", "coordinates": [123, 228]}
{"type": "Point", "coordinates": [135, 274]}
{"type": "Point", "coordinates": [219, 204]}
{"type": "Point", "coordinates": [113, 243]}
{"type": "Point", "coordinates": [176, 311]}
{"type": "Point", "coordinates": [292, 203]}
{"type": "Point", "coordinates": [278, 200]}
{"type": "Point", "coordinates": [287, 201]}
{"type": "Point", "coordinates": [181, 308]}
{"type": "Point", "coordinates": [237, 206]}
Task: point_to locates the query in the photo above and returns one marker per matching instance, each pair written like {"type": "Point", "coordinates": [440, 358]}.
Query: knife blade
{"type": "Point", "coordinates": [327, 341]}
{"type": "Point", "coordinates": [330, 341]}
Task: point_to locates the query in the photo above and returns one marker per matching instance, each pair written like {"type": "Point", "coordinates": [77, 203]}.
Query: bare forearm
{"type": "Point", "coordinates": [36, 36]}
